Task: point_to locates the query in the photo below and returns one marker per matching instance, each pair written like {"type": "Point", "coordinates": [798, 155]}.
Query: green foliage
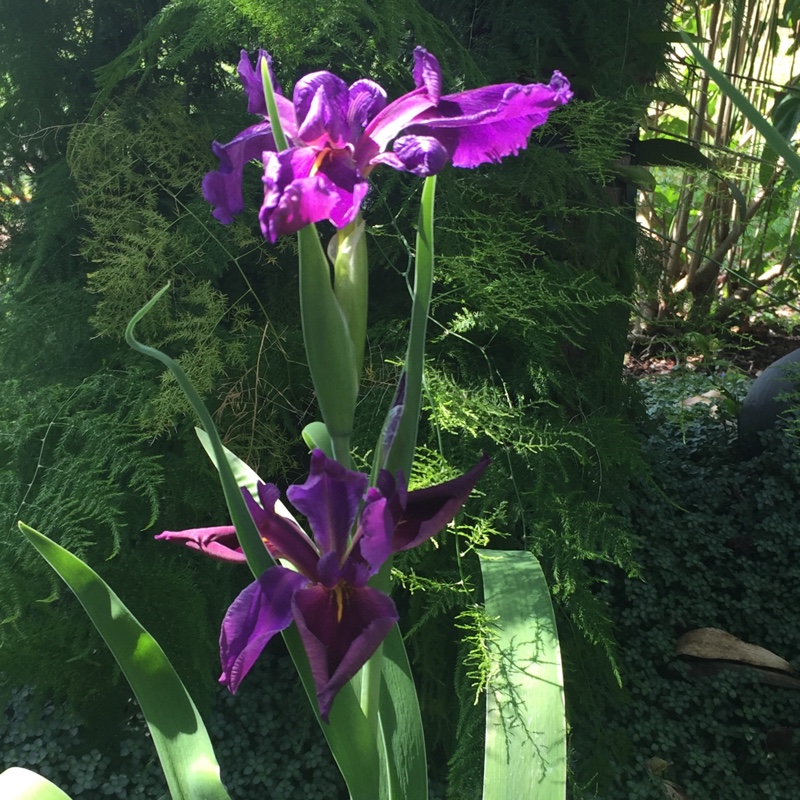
{"type": "Point", "coordinates": [266, 739]}
{"type": "Point", "coordinates": [75, 462]}
{"type": "Point", "coordinates": [536, 264]}
{"type": "Point", "coordinates": [718, 548]}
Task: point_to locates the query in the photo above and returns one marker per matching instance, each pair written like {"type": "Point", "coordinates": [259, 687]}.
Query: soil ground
{"type": "Point", "coordinates": [751, 354]}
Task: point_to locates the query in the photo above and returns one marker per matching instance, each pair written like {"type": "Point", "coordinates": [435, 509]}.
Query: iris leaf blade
{"type": "Point", "coordinates": [17, 783]}
{"type": "Point", "coordinates": [401, 724]}
{"type": "Point", "coordinates": [526, 739]}
{"type": "Point", "coordinates": [178, 732]}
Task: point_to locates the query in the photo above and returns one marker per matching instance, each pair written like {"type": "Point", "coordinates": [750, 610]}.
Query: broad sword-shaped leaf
{"type": "Point", "coordinates": [179, 735]}
{"type": "Point", "coordinates": [526, 734]}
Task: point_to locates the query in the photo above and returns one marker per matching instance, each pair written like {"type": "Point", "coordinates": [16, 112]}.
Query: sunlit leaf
{"type": "Point", "coordinates": [179, 735]}
{"type": "Point", "coordinates": [526, 738]}
{"type": "Point", "coordinates": [17, 783]}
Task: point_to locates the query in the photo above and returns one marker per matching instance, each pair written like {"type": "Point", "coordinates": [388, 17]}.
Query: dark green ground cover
{"type": "Point", "coordinates": [719, 546]}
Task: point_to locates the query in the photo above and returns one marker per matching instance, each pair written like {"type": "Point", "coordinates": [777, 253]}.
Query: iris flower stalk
{"type": "Point", "coordinates": [317, 152]}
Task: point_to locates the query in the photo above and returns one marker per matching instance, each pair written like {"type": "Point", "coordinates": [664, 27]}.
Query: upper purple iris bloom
{"type": "Point", "coordinates": [337, 134]}
{"type": "Point", "coordinates": [341, 620]}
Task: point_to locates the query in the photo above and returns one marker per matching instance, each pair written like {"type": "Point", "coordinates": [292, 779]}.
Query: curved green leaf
{"type": "Point", "coordinates": [258, 559]}
{"type": "Point", "coordinates": [401, 729]}
{"type": "Point", "coordinates": [777, 142]}
{"type": "Point", "coordinates": [17, 783]}
{"type": "Point", "coordinates": [526, 734]}
{"type": "Point", "coordinates": [179, 735]}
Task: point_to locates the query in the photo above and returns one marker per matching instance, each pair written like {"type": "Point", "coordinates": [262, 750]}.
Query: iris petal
{"type": "Point", "coordinates": [281, 533]}
{"type": "Point", "coordinates": [340, 628]}
{"type": "Point", "coordinates": [329, 499]}
{"type": "Point", "coordinates": [320, 103]}
{"type": "Point", "coordinates": [220, 542]}
{"type": "Point", "coordinates": [263, 609]}
{"type": "Point", "coordinates": [366, 99]}
{"type": "Point", "coordinates": [427, 73]}
{"type": "Point", "coordinates": [254, 89]}
{"type": "Point", "coordinates": [490, 123]}
{"type": "Point", "coordinates": [428, 511]}
{"type": "Point", "coordinates": [304, 185]}
{"type": "Point", "coordinates": [421, 155]}
{"type": "Point", "coordinates": [223, 187]}
{"type": "Point", "coordinates": [378, 520]}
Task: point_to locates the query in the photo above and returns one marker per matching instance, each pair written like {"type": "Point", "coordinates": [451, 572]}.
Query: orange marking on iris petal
{"type": "Point", "coordinates": [320, 160]}
{"type": "Point", "coordinates": [339, 591]}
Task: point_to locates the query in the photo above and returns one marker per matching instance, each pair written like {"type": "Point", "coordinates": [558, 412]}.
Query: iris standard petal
{"type": "Point", "coordinates": [280, 533]}
{"type": "Point", "coordinates": [483, 125]}
{"type": "Point", "coordinates": [427, 73]}
{"type": "Point", "coordinates": [373, 542]}
{"type": "Point", "coordinates": [254, 89]}
{"type": "Point", "coordinates": [223, 187]}
{"type": "Point", "coordinates": [251, 81]}
{"type": "Point", "coordinates": [340, 628]}
{"type": "Point", "coordinates": [263, 609]}
{"type": "Point", "coordinates": [366, 99]}
{"type": "Point", "coordinates": [428, 511]}
{"type": "Point", "coordinates": [320, 103]}
{"type": "Point", "coordinates": [220, 543]}
{"type": "Point", "coordinates": [329, 499]}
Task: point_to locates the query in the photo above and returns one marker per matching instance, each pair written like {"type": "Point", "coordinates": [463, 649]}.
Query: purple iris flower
{"type": "Point", "coordinates": [340, 618]}
{"type": "Point", "coordinates": [338, 133]}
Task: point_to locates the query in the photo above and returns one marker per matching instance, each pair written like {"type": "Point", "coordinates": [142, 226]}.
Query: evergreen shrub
{"type": "Point", "coordinates": [718, 546]}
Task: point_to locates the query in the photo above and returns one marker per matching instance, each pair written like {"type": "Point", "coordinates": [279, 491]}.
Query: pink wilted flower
{"type": "Point", "coordinates": [339, 133]}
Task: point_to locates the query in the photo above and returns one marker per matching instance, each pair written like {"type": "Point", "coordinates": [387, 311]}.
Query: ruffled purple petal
{"type": "Point", "coordinates": [320, 101]}
{"type": "Point", "coordinates": [366, 99]}
{"type": "Point", "coordinates": [263, 609]}
{"type": "Point", "coordinates": [329, 499]}
{"type": "Point", "coordinates": [223, 187]}
{"type": "Point", "coordinates": [340, 628]}
{"type": "Point", "coordinates": [220, 543]}
{"type": "Point", "coordinates": [304, 185]}
{"type": "Point", "coordinates": [281, 535]}
{"type": "Point", "coordinates": [483, 125]}
{"type": "Point", "coordinates": [254, 89]}
{"type": "Point", "coordinates": [428, 511]}
{"type": "Point", "coordinates": [427, 73]}
{"type": "Point", "coordinates": [388, 123]}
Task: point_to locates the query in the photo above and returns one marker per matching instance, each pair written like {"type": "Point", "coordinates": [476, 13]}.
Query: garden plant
{"type": "Point", "coordinates": [328, 592]}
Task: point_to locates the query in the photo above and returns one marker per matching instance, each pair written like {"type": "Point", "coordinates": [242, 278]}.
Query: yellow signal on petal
{"type": "Point", "coordinates": [339, 591]}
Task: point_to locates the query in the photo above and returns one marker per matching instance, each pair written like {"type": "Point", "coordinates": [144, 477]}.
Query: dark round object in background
{"type": "Point", "coordinates": [764, 403]}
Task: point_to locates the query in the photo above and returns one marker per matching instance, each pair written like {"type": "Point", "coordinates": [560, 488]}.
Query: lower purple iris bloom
{"type": "Point", "coordinates": [340, 618]}
{"type": "Point", "coordinates": [338, 133]}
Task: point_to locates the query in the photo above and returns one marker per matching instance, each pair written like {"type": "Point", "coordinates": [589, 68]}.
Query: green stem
{"type": "Point", "coordinates": [341, 450]}
{"type": "Point", "coordinates": [371, 689]}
